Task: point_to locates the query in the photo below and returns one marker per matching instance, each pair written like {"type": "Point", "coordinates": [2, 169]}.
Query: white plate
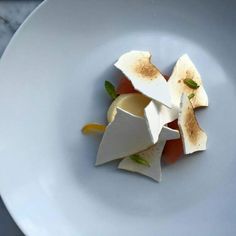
{"type": "Point", "coordinates": [51, 83]}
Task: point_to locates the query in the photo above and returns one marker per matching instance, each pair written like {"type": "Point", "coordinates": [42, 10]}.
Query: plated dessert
{"type": "Point", "coordinates": [151, 118]}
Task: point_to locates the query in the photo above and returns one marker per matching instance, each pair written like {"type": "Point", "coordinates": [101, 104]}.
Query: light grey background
{"type": "Point", "coordinates": [12, 14]}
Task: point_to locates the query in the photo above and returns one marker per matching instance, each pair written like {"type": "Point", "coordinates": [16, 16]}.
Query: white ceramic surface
{"type": "Point", "coordinates": [51, 83]}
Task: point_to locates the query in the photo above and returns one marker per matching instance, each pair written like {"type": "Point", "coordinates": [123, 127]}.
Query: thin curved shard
{"type": "Point", "coordinates": [145, 77]}
{"type": "Point", "coordinates": [185, 78]}
{"type": "Point", "coordinates": [126, 135]}
{"type": "Point", "coordinates": [193, 137]}
{"type": "Point", "coordinates": [151, 155]}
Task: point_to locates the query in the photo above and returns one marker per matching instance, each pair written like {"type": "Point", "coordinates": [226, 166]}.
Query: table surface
{"type": "Point", "coordinates": [12, 14]}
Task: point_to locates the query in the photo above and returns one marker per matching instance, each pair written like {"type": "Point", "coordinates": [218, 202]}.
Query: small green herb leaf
{"type": "Point", "coordinates": [190, 96]}
{"type": "Point", "coordinates": [110, 89]}
{"type": "Point", "coordinates": [191, 83]}
{"type": "Point", "coordinates": [136, 158]}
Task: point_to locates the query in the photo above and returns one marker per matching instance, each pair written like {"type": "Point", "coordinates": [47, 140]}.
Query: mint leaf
{"type": "Point", "coordinates": [190, 96]}
{"type": "Point", "coordinates": [191, 83]}
{"type": "Point", "coordinates": [136, 158]}
{"type": "Point", "coordinates": [110, 88]}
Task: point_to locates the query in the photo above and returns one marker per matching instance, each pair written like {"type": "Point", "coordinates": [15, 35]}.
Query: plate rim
{"type": "Point", "coordinates": [5, 52]}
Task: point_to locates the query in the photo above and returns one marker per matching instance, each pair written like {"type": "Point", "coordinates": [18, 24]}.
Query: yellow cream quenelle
{"type": "Point", "coordinates": [132, 102]}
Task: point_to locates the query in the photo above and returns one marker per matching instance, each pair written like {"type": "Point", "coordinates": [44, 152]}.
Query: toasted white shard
{"type": "Point", "coordinates": [193, 137]}
{"type": "Point", "coordinates": [126, 135]}
{"type": "Point", "coordinates": [145, 77]}
{"type": "Point", "coordinates": [152, 155]}
{"type": "Point", "coordinates": [185, 69]}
